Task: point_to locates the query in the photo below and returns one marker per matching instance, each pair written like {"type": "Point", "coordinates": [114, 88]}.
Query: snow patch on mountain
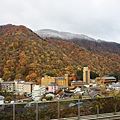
{"type": "Point", "coordinates": [49, 33]}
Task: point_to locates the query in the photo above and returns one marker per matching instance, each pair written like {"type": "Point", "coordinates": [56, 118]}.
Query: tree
{"type": "Point", "coordinates": [79, 74]}
{"type": "Point", "coordinates": [93, 75]}
{"type": "Point", "coordinates": [98, 103]}
{"type": "Point", "coordinates": [115, 97]}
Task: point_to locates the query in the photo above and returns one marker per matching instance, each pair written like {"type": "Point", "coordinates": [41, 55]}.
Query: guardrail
{"type": "Point", "coordinates": [76, 109]}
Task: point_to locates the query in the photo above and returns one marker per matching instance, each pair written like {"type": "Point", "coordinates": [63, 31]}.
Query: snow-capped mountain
{"type": "Point", "coordinates": [49, 33]}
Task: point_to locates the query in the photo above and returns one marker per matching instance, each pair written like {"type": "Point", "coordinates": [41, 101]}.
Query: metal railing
{"type": "Point", "coordinates": [76, 109]}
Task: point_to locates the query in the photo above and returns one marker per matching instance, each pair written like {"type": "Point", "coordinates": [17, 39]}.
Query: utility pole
{"type": "Point", "coordinates": [13, 111]}
{"type": "Point", "coordinates": [36, 110]}
{"type": "Point", "coordinates": [78, 109]}
{"type": "Point", "coordinates": [58, 109]}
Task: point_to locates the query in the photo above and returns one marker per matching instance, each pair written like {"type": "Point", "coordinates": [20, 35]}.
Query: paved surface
{"type": "Point", "coordinates": [106, 116]}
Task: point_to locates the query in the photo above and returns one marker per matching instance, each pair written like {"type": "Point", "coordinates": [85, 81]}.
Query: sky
{"type": "Point", "coordinates": [99, 19]}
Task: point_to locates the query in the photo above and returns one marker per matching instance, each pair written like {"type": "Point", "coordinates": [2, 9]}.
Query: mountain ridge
{"type": "Point", "coordinates": [80, 39]}
{"type": "Point", "coordinates": [50, 33]}
{"type": "Point", "coordinates": [25, 55]}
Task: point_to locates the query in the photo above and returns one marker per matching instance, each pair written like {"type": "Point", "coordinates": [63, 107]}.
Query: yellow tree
{"type": "Point", "coordinates": [98, 103]}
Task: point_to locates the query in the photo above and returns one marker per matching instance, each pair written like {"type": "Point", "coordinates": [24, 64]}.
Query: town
{"type": "Point", "coordinates": [53, 89]}
{"type": "Point", "coordinates": [54, 84]}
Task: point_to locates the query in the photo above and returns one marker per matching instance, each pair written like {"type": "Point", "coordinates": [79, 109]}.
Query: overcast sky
{"type": "Point", "coordinates": [99, 19]}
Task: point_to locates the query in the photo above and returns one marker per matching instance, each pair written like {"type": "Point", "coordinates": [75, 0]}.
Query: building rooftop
{"type": "Point", "coordinates": [95, 93]}
{"type": "Point", "coordinates": [29, 82]}
{"type": "Point", "coordinates": [8, 82]}
{"type": "Point", "coordinates": [59, 78]}
{"type": "Point", "coordinates": [109, 78]}
{"type": "Point", "coordinates": [63, 87]}
{"type": "Point", "coordinates": [52, 84]}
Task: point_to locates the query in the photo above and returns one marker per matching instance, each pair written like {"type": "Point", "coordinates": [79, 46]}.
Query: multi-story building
{"type": "Point", "coordinates": [17, 86]}
{"type": "Point", "coordinates": [8, 86]}
{"type": "Point", "coordinates": [37, 92]}
{"type": "Point", "coordinates": [105, 80]}
{"type": "Point", "coordinates": [46, 80]}
{"type": "Point", "coordinates": [22, 86]}
{"type": "Point", "coordinates": [86, 75]}
{"type": "Point", "coordinates": [0, 83]}
{"type": "Point", "coordinates": [77, 83]}
{"type": "Point", "coordinates": [28, 86]}
{"type": "Point", "coordinates": [61, 81]}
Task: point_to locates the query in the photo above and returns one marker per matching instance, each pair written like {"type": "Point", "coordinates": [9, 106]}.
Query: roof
{"type": "Point", "coordinates": [63, 87]}
{"type": "Point", "coordinates": [116, 84]}
{"type": "Point", "coordinates": [18, 80]}
{"type": "Point", "coordinates": [29, 82]}
{"type": "Point", "coordinates": [79, 81]}
{"type": "Point", "coordinates": [59, 78]}
{"type": "Point", "coordinates": [92, 88]}
{"type": "Point", "coordinates": [109, 78]}
{"type": "Point", "coordinates": [8, 82]}
{"type": "Point", "coordinates": [52, 84]}
{"type": "Point", "coordinates": [94, 93]}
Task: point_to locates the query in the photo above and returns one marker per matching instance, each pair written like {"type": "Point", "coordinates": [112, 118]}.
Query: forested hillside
{"type": "Point", "coordinates": [103, 65]}
{"type": "Point", "coordinates": [24, 55]}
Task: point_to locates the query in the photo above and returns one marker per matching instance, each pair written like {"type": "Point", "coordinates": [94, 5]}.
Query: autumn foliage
{"type": "Point", "coordinates": [24, 55]}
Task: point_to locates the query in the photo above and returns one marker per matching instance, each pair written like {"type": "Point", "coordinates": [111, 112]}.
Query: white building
{"type": "Point", "coordinates": [37, 92]}
{"type": "Point", "coordinates": [1, 99]}
{"type": "Point", "coordinates": [115, 86]}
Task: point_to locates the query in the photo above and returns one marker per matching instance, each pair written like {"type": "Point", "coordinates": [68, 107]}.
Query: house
{"type": "Point", "coordinates": [78, 91]}
{"type": "Point", "coordinates": [67, 94]}
{"type": "Point", "coordinates": [52, 87]}
{"type": "Point", "coordinates": [105, 80]}
{"type": "Point", "coordinates": [115, 86]}
{"type": "Point", "coordinates": [93, 94]}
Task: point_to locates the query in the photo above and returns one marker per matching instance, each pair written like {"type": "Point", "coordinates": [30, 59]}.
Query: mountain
{"type": "Point", "coordinates": [25, 55]}
{"type": "Point", "coordinates": [54, 34]}
{"type": "Point", "coordinates": [100, 47]}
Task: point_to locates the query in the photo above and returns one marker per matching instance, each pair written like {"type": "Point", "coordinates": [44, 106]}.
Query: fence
{"type": "Point", "coordinates": [76, 109]}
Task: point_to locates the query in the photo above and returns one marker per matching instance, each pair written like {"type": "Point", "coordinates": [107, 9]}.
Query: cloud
{"type": "Point", "coordinates": [96, 18]}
